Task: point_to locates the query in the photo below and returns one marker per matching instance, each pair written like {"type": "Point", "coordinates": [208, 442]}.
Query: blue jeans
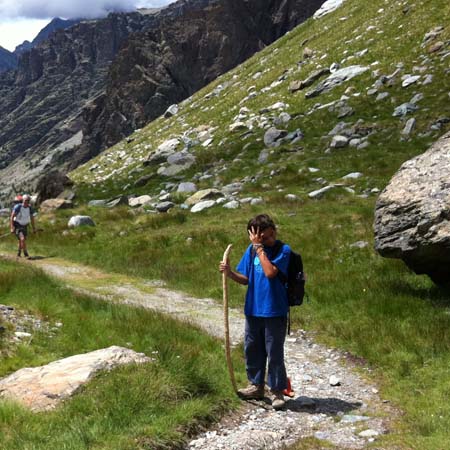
{"type": "Point", "coordinates": [264, 341]}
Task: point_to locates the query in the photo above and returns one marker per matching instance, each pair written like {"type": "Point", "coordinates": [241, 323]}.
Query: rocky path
{"type": "Point", "coordinates": [333, 402]}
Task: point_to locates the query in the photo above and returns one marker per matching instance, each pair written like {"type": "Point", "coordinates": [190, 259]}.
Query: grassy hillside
{"type": "Point", "coordinates": [375, 308]}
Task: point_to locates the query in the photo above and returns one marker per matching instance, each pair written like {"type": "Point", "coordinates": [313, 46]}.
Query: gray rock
{"type": "Point", "coordinates": [172, 110]}
{"type": "Point", "coordinates": [412, 214]}
{"type": "Point", "coordinates": [336, 79]}
{"type": "Point", "coordinates": [5, 212]}
{"type": "Point", "coordinates": [352, 176]}
{"type": "Point", "coordinates": [345, 111]}
{"type": "Point", "coordinates": [319, 192]}
{"type": "Point", "coordinates": [339, 141]}
{"type": "Point", "coordinates": [359, 244]}
{"type": "Point", "coordinates": [161, 154]}
{"type": "Point", "coordinates": [409, 127]}
{"type": "Point", "coordinates": [142, 181]}
{"type": "Point", "coordinates": [417, 98]}
{"type": "Point", "coordinates": [404, 109]}
{"type": "Point", "coordinates": [201, 206]}
{"type": "Point", "coordinates": [410, 80]}
{"type": "Point", "coordinates": [382, 96]}
{"type": "Point", "coordinates": [121, 200]}
{"type": "Point", "coordinates": [368, 433]}
{"type": "Point", "coordinates": [139, 201]}
{"type": "Point", "coordinates": [204, 194]}
{"type": "Point", "coordinates": [181, 158]}
{"type": "Point", "coordinates": [172, 170]}
{"type": "Point", "coordinates": [187, 187]}
{"type": "Point", "coordinates": [291, 197]}
{"type": "Point", "coordinates": [231, 188]}
{"type": "Point", "coordinates": [334, 381]}
{"type": "Point", "coordinates": [233, 204]}
{"type": "Point", "coordinates": [272, 135]}
{"type": "Point", "coordinates": [78, 221]}
{"type": "Point", "coordinates": [164, 206]}
{"type": "Point", "coordinates": [263, 156]}
{"type": "Point", "coordinates": [256, 201]}
{"type": "Point", "coordinates": [338, 128]}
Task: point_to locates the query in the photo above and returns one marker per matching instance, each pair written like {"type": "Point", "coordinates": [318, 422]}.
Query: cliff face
{"type": "Point", "coordinates": [7, 60]}
{"type": "Point", "coordinates": [186, 52]}
{"type": "Point", "coordinates": [86, 87]}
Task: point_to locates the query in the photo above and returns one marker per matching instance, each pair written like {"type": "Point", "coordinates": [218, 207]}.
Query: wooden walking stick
{"type": "Point", "coordinates": [225, 317]}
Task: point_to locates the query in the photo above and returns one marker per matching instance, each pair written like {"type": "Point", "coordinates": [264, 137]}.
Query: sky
{"type": "Point", "coordinates": [22, 20]}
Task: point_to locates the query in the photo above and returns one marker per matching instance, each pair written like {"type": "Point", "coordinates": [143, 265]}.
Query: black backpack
{"type": "Point", "coordinates": [295, 279]}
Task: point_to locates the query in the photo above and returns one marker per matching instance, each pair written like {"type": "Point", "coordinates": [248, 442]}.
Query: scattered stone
{"type": "Point", "coordinates": [319, 192]}
{"type": "Point", "coordinates": [410, 80]}
{"type": "Point", "coordinates": [22, 334]}
{"type": "Point", "coordinates": [436, 47]}
{"type": "Point", "coordinates": [352, 176]}
{"type": "Point", "coordinates": [164, 206]}
{"type": "Point", "coordinates": [291, 197]}
{"type": "Point", "coordinates": [272, 136]}
{"type": "Point", "coordinates": [382, 96]}
{"type": "Point", "coordinates": [139, 201]}
{"type": "Point", "coordinates": [417, 98]}
{"type": "Point", "coordinates": [334, 381]}
{"type": "Point", "coordinates": [233, 204]}
{"type": "Point", "coordinates": [237, 126]}
{"type": "Point", "coordinates": [359, 244]}
{"type": "Point", "coordinates": [339, 141]}
{"type": "Point", "coordinates": [409, 127]}
{"type": "Point", "coordinates": [172, 110]}
{"type": "Point", "coordinates": [411, 216]}
{"type": "Point", "coordinates": [78, 221]}
{"type": "Point", "coordinates": [53, 204]}
{"type": "Point", "coordinates": [404, 109]}
{"type": "Point", "coordinates": [201, 206]}
{"type": "Point", "coordinates": [163, 151]}
{"type": "Point", "coordinates": [336, 79]}
{"type": "Point", "coordinates": [256, 201]}
{"type": "Point", "coordinates": [307, 53]}
{"type": "Point", "coordinates": [187, 187]}
{"type": "Point", "coordinates": [142, 181]}
{"type": "Point", "coordinates": [121, 200]}
{"type": "Point", "coordinates": [204, 194]}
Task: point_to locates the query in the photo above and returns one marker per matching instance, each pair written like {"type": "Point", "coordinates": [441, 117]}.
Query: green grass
{"type": "Point", "coordinates": [136, 407]}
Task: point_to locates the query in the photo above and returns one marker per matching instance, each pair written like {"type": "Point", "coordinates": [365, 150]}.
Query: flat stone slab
{"type": "Point", "coordinates": [43, 388]}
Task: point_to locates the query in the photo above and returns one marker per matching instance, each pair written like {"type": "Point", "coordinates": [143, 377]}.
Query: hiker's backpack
{"type": "Point", "coordinates": [295, 279]}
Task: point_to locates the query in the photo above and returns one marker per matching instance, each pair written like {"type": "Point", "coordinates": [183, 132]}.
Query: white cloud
{"type": "Point", "coordinates": [40, 9]}
{"type": "Point", "coordinates": [14, 32]}
{"type": "Point", "coordinates": [23, 19]}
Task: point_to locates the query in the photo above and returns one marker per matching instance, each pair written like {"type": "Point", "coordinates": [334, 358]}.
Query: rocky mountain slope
{"type": "Point", "coordinates": [333, 108]}
{"type": "Point", "coordinates": [44, 34]}
{"type": "Point", "coordinates": [86, 87]}
{"type": "Point", "coordinates": [7, 60]}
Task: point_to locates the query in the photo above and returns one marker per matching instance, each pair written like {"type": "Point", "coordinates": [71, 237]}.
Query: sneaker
{"type": "Point", "coordinates": [19, 254]}
{"type": "Point", "coordinates": [26, 255]}
{"type": "Point", "coordinates": [277, 400]}
{"type": "Point", "coordinates": [252, 392]}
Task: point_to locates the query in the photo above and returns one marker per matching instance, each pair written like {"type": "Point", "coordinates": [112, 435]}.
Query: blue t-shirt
{"type": "Point", "coordinates": [266, 297]}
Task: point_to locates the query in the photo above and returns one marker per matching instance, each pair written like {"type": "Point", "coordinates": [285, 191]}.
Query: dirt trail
{"type": "Point", "coordinates": [346, 412]}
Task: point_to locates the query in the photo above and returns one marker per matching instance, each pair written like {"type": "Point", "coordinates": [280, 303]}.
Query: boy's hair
{"type": "Point", "coordinates": [261, 222]}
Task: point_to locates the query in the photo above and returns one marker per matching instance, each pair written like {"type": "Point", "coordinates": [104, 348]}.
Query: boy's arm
{"type": "Point", "coordinates": [270, 271]}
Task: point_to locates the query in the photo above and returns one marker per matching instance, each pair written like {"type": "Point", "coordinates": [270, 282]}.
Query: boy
{"type": "Point", "coordinates": [21, 215]}
{"type": "Point", "coordinates": [266, 309]}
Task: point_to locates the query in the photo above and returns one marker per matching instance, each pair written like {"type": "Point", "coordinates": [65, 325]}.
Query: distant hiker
{"type": "Point", "coordinates": [266, 309]}
{"type": "Point", "coordinates": [21, 215]}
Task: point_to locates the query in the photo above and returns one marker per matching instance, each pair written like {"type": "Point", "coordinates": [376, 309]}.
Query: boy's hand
{"type": "Point", "coordinates": [225, 268]}
{"type": "Point", "coordinates": [255, 236]}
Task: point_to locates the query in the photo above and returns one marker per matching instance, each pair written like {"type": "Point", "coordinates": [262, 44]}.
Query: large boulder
{"type": "Point", "coordinates": [43, 388]}
{"type": "Point", "coordinates": [78, 221]}
{"type": "Point", "coordinates": [53, 204]}
{"type": "Point", "coordinates": [412, 215]}
{"type": "Point", "coordinates": [52, 184]}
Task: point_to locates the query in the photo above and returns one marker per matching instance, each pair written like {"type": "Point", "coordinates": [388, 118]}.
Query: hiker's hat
{"type": "Point", "coordinates": [26, 197]}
